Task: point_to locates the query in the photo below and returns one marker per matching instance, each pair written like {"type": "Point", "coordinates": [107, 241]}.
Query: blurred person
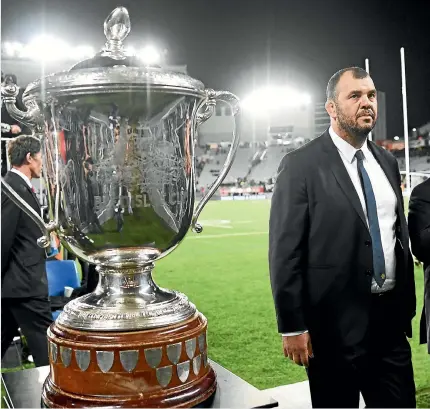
{"type": "Point", "coordinates": [340, 267]}
{"type": "Point", "coordinates": [6, 131]}
{"type": "Point", "coordinates": [10, 128]}
{"type": "Point", "coordinates": [91, 211]}
{"type": "Point", "coordinates": [25, 302]}
{"type": "Point", "coordinates": [419, 231]}
{"type": "Point", "coordinates": [5, 116]}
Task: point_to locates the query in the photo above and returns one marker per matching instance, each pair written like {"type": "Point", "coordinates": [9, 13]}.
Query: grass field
{"type": "Point", "coordinates": [224, 271]}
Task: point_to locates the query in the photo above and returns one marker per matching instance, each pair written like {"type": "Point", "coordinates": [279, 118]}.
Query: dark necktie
{"type": "Point", "coordinates": [372, 216]}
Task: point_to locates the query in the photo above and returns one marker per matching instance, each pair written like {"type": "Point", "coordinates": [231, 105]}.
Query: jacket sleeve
{"type": "Point", "coordinates": [288, 232]}
{"type": "Point", "coordinates": [410, 305]}
{"type": "Point", "coordinates": [419, 223]}
{"type": "Point", "coordinates": [10, 214]}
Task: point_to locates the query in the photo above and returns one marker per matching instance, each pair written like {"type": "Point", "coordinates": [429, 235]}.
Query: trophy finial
{"type": "Point", "coordinates": [116, 27]}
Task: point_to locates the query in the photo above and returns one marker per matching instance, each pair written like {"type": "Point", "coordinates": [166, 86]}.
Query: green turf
{"type": "Point", "coordinates": [224, 271]}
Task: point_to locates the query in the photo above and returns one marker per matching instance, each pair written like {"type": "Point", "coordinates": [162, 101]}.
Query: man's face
{"type": "Point", "coordinates": [35, 164]}
{"type": "Point", "coordinates": [355, 108]}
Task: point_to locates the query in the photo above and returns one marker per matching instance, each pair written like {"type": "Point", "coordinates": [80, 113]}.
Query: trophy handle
{"type": "Point", "coordinates": [233, 101]}
{"type": "Point", "coordinates": [33, 119]}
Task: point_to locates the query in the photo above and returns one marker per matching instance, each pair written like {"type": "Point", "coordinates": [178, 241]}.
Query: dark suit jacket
{"type": "Point", "coordinates": [419, 230]}
{"type": "Point", "coordinates": [22, 260]}
{"type": "Point", "coordinates": [320, 251]}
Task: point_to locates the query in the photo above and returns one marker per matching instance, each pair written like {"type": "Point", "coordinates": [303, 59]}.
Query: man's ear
{"type": "Point", "coordinates": [27, 157]}
{"type": "Point", "coordinates": [331, 108]}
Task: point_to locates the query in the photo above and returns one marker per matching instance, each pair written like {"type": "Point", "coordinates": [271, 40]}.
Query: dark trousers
{"type": "Point", "coordinates": [33, 316]}
{"type": "Point", "coordinates": [383, 374]}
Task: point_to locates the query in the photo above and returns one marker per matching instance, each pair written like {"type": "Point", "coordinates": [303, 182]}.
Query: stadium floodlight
{"type": "Point", "coordinates": [46, 48]}
{"type": "Point", "coordinates": [150, 55]}
{"type": "Point", "coordinates": [12, 49]}
{"type": "Point", "coordinates": [266, 100]}
{"type": "Point", "coordinates": [49, 48]}
{"type": "Point", "coordinates": [130, 50]}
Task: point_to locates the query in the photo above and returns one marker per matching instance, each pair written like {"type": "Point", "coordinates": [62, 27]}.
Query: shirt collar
{"type": "Point", "coordinates": [26, 179]}
{"type": "Point", "coordinates": [346, 149]}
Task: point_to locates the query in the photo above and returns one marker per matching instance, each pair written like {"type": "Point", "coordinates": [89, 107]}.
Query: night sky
{"type": "Point", "coordinates": [237, 45]}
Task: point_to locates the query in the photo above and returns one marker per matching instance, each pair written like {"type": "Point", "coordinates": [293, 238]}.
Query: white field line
{"type": "Point", "coordinates": [215, 236]}
{"type": "Point", "coordinates": [222, 224]}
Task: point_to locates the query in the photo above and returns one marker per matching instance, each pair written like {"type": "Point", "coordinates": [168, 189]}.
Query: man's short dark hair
{"type": "Point", "coordinates": [357, 73]}
{"type": "Point", "coordinates": [20, 146]}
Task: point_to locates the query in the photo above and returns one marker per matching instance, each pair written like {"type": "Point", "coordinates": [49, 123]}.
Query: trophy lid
{"type": "Point", "coordinates": [111, 69]}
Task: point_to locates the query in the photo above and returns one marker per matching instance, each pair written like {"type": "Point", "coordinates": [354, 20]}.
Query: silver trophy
{"type": "Point", "coordinates": [118, 141]}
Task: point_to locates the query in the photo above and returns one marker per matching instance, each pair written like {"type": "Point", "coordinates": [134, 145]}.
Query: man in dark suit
{"type": "Point", "coordinates": [419, 231]}
{"type": "Point", "coordinates": [25, 302]}
{"type": "Point", "coordinates": [340, 267]}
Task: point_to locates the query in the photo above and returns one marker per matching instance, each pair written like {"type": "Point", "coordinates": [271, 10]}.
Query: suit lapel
{"type": "Point", "coordinates": [339, 171]}
{"type": "Point", "coordinates": [19, 180]}
{"type": "Point", "coordinates": [34, 196]}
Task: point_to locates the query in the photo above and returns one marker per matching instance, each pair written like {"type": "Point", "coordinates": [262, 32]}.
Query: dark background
{"type": "Point", "coordinates": [237, 44]}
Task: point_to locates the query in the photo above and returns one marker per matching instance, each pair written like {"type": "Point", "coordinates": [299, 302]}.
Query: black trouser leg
{"type": "Point", "coordinates": [34, 317]}
{"type": "Point", "coordinates": [383, 372]}
{"type": "Point", "coordinates": [9, 327]}
{"type": "Point", "coordinates": [333, 384]}
{"type": "Point", "coordinates": [388, 378]}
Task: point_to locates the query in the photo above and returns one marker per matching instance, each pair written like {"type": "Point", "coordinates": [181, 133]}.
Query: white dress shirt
{"type": "Point", "coordinates": [386, 202]}
{"type": "Point", "coordinates": [386, 205]}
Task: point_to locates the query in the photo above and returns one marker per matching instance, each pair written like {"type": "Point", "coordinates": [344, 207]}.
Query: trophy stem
{"type": "Point", "coordinates": [126, 280]}
{"type": "Point", "coordinates": [113, 46]}
{"type": "Point", "coordinates": [126, 299]}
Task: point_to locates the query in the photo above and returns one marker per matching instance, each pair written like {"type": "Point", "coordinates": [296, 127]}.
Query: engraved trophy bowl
{"type": "Point", "coordinates": [118, 143]}
{"type": "Point", "coordinates": [118, 140]}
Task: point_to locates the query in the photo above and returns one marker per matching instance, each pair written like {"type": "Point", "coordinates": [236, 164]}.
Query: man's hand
{"type": "Point", "coordinates": [298, 348]}
{"type": "Point", "coordinates": [15, 129]}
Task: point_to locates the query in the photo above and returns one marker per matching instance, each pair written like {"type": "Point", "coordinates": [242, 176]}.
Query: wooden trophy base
{"type": "Point", "coordinates": [164, 367]}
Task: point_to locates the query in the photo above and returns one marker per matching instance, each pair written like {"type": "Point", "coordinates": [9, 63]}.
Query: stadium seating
{"type": "Point", "coordinates": [268, 167]}
{"type": "Point", "coordinates": [60, 274]}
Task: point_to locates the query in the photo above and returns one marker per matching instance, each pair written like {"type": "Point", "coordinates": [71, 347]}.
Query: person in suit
{"type": "Point", "coordinates": [419, 231]}
{"type": "Point", "coordinates": [340, 267]}
{"type": "Point", "coordinates": [24, 294]}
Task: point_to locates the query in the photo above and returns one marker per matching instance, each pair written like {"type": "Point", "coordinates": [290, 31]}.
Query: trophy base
{"type": "Point", "coordinates": [164, 367]}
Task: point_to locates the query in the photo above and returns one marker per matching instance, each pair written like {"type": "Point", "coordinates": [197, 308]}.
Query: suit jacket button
{"type": "Point", "coordinates": [368, 243]}
{"type": "Point", "coordinates": [368, 272]}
